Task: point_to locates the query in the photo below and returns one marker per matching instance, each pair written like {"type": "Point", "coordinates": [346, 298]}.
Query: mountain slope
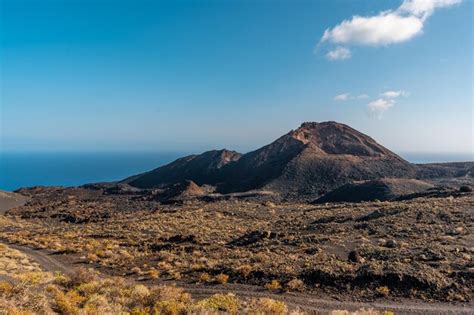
{"type": "Point", "coordinates": [303, 163]}
{"type": "Point", "coordinates": [313, 159]}
{"type": "Point", "coordinates": [202, 169]}
{"type": "Point", "coordinates": [380, 189]}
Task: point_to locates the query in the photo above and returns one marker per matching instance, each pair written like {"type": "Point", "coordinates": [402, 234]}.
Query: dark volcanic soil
{"type": "Point", "coordinates": [381, 189]}
{"type": "Point", "coordinates": [300, 165]}
{"type": "Point", "coordinates": [421, 248]}
{"type": "Point", "coordinates": [10, 200]}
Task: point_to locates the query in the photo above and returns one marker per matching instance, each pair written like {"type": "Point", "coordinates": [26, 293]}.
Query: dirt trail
{"type": "Point", "coordinates": [315, 305]}
{"type": "Point", "coordinates": [311, 304]}
{"type": "Point", "coordinates": [46, 260]}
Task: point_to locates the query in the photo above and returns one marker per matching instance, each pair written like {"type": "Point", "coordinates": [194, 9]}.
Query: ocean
{"type": "Point", "coordinates": [22, 169]}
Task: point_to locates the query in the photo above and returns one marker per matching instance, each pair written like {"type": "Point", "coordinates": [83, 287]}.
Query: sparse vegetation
{"type": "Point", "coordinates": [221, 302]}
{"type": "Point", "coordinates": [294, 247]}
{"type": "Point", "coordinates": [268, 306]}
{"type": "Point", "coordinates": [383, 291]}
{"type": "Point", "coordinates": [222, 278]}
{"type": "Point", "coordinates": [273, 285]}
{"type": "Point", "coordinates": [88, 292]}
{"type": "Point", "coordinates": [295, 285]}
{"type": "Point", "coordinates": [205, 277]}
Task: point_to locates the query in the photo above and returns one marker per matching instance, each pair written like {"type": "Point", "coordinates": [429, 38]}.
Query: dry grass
{"type": "Point", "coordinates": [273, 285]}
{"type": "Point", "coordinates": [383, 291]}
{"type": "Point", "coordinates": [302, 247]}
{"type": "Point", "coordinates": [222, 278]}
{"type": "Point", "coordinates": [294, 285]}
{"type": "Point", "coordinates": [88, 292]}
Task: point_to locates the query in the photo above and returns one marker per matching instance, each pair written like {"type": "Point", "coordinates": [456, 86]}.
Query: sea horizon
{"type": "Point", "coordinates": [20, 169]}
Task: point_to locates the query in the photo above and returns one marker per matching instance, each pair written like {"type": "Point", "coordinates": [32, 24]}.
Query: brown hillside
{"type": "Point", "coordinates": [202, 169]}
{"type": "Point", "coordinates": [313, 159]}
{"type": "Point", "coordinates": [304, 163]}
{"type": "Point", "coordinates": [380, 189]}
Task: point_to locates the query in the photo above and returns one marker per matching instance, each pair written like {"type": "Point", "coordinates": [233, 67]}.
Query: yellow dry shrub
{"type": "Point", "coordinates": [170, 308]}
{"type": "Point", "coordinates": [61, 279]}
{"type": "Point", "coordinates": [140, 311]}
{"type": "Point", "coordinates": [88, 288]}
{"type": "Point", "coordinates": [220, 302]}
{"type": "Point", "coordinates": [164, 265]}
{"type": "Point", "coordinates": [295, 285]}
{"type": "Point", "coordinates": [99, 304]}
{"type": "Point", "coordinates": [170, 300]}
{"type": "Point", "coordinates": [139, 293]}
{"type": "Point", "coordinates": [265, 306]}
{"type": "Point", "coordinates": [33, 277]}
{"type": "Point", "coordinates": [67, 303]}
{"type": "Point", "coordinates": [100, 253]}
{"type": "Point", "coordinates": [205, 277]}
{"type": "Point", "coordinates": [153, 274]}
{"type": "Point", "coordinates": [92, 257]}
{"type": "Point", "coordinates": [222, 278]}
{"type": "Point", "coordinates": [169, 293]}
{"type": "Point", "coordinates": [175, 275]}
{"type": "Point", "coordinates": [383, 291]}
{"type": "Point", "coordinates": [273, 285]}
{"type": "Point", "coordinates": [5, 288]}
{"type": "Point", "coordinates": [108, 245]}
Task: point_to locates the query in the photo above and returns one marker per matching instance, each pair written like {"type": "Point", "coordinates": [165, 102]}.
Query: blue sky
{"type": "Point", "coordinates": [197, 75]}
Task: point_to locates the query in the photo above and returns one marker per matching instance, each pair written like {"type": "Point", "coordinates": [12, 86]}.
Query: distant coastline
{"type": "Point", "coordinates": [24, 169]}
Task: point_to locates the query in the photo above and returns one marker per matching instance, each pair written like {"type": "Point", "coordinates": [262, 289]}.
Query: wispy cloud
{"type": "Point", "coordinates": [387, 27]}
{"type": "Point", "coordinates": [339, 53]}
{"type": "Point", "coordinates": [342, 97]}
{"type": "Point", "coordinates": [425, 8]}
{"type": "Point", "coordinates": [348, 96]}
{"type": "Point", "coordinates": [379, 106]}
{"type": "Point", "coordinates": [394, 94]}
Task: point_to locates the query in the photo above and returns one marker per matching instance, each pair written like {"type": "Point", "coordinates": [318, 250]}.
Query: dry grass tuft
{"type": "Point", "coordinates": [265, 306]}
{"type": "Point", "coordinates": [221, 302]}
{"type": "Point", "coordinates": [295, 285]}
{"type": "Point", "coordinates": [222, 278]}
{"type": "Point", "coordinates": [273, 285]}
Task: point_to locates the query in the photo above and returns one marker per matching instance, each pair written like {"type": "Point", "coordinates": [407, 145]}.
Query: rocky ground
{"type": "Point", "coordinates": [418, 249]}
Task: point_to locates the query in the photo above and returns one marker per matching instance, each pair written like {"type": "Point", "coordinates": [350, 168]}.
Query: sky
{"type": "Point", "coordinates": [199, 75]}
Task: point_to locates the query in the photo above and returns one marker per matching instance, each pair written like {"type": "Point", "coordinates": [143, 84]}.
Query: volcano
{"type": "Point", "coordinates": [302, 164]}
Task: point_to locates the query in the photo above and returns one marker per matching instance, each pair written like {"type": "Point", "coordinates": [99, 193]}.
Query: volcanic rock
{"type": "Point", "coordinates": [202, 169]}
{"type": "Point", "coordinates": [302, 164]}
{"type": "Point", "coordinates": [381, 189]}
{"type": "Point", "coordinates": [182, 191]}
